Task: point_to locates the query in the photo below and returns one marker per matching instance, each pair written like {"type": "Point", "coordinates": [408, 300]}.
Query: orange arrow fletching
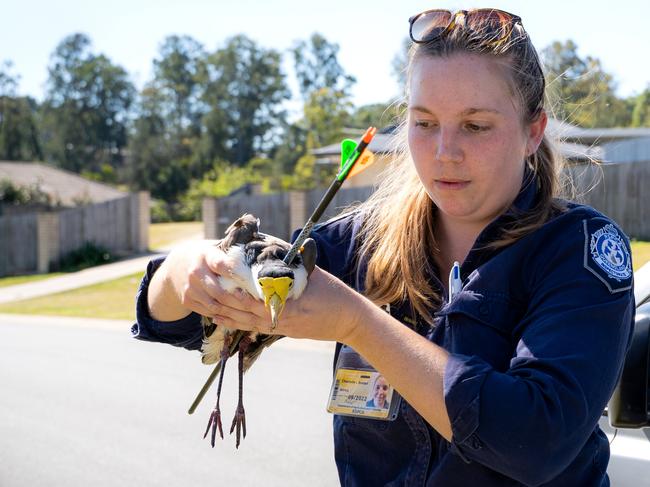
{"type": "Point", "coordinates": [365, 161]}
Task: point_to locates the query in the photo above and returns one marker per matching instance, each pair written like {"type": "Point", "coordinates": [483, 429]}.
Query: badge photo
{"type": "Point", "coordinates": [359, 390]}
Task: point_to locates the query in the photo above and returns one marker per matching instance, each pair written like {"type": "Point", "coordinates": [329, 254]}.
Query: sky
{"type": "Point", "coordinates": [369, 33]}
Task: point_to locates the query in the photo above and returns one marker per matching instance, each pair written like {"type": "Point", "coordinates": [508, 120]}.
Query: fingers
{"type": "Point", "coordinates": [242, 320]}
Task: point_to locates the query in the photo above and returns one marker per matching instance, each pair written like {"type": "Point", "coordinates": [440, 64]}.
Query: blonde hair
{"type": "Point", "coordinates": [397, 236]}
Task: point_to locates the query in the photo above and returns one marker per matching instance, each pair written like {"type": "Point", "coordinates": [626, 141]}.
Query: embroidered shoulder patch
{"type": "Point", "coordinates": [607, 255]}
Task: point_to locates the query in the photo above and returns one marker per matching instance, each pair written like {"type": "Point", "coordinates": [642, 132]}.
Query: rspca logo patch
{"type": "Point", "coordinates": [607, 255]}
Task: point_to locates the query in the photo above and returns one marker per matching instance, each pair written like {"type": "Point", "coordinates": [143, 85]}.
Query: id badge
{"type": "Point", "coordinates": [359, 390]}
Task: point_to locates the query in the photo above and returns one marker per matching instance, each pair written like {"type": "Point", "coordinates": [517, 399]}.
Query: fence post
{"type": "Point", "coordinates": [140, 218]}
{"type": "Point", "coordinates": [144, 220]}
{"type": "Point", "coordinates": [210, 215]}
{"type": "Point", "coordinates": [297, 209]}
{"type": "Point", "coordinates": [48, 245]}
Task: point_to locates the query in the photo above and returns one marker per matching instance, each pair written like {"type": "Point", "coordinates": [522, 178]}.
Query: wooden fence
{"type": "Point", "coordinates": [620, 191]}
{"type": "Point", "coordinates": [35, 242]}
{"type": "Point", "coordinates": [279, 214]}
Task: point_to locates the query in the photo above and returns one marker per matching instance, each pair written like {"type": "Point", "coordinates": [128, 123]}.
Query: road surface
{"type": "Point", "coordinates": [84, 404]}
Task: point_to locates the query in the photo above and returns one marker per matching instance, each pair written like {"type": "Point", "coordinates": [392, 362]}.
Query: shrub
{"type": "Point", "coordinates": [89, 255]}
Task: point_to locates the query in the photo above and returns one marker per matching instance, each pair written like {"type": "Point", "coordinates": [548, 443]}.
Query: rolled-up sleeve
{"type": "Point", "coordinates": [530, 421]}
{"type": "Point", "coordinates": [186, 332]}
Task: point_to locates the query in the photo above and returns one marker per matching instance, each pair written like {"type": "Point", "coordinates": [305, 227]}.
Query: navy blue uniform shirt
{"type": "Point", "coordinates": [536, 337]}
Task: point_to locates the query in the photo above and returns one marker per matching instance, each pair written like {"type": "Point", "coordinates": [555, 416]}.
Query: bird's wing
{"type": "Point", "coordinates": [242, 231]}
{"type": "Point", "coordinates": [255, 349]}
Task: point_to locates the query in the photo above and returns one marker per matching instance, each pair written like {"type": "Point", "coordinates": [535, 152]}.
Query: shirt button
{"type": "Point", "coordinates": [474, 442]}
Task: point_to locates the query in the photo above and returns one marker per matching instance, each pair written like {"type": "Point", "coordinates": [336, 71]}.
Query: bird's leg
{"type": "Point", "coordinates": [239, 421]}
{"type": "Point", "coordinates": [215, 416]}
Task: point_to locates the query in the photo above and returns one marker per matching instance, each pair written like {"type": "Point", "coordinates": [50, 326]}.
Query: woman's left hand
{"type": "Point", "coordinates": [327, 310]}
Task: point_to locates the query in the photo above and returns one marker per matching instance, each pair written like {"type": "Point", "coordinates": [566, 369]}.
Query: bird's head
{"type": "Point", "coordinates": [260, 268]}
{"type": "Point", "coordinates": [276, 281]}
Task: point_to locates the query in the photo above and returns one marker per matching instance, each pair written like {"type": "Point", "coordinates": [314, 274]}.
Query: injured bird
{"type": "Point", "coordinates": [261, 272]}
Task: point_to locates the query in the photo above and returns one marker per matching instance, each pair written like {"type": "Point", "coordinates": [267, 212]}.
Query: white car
{"type": "Point", "coordinates": [628, 414]}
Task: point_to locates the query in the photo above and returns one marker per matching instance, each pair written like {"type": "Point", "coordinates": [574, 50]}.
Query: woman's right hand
{"type": "Point", "coordinates": [186, 281]}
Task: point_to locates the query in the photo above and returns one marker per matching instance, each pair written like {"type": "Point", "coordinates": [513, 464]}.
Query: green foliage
{"type": "Point", "coordinates": [317, 67]}
{"type": "Point", "coordinates": [291, 147]}
{"type": "Point", "coordinates": [153, 163]}
{"type": "Point", "coordinates": [641, 109]}
{"type": "Point", "coordinates": [376, 114]}
{"type": "Point", "coordinates": [326, 112]}
{"type": "Point", "coordinates": [89, 255]}
{"type": "Point", "coordinates": [308, 174]}
{"type": "Point", "coordinates": [177, 73]}
{"type": "Point", "coordinates": [219, 182]}
{"type": "Point", "coordinates": [325, 89]}
{"type": "Point", "coordinates": [161, 212]}
{"type": "Point", "coordinates": [86, 109]}
{"type": "Point", "coordinates": [400, 63]}
{"type": "Point", "coordinates": [581, 91]}
{"type": "Point", "coordinates": [11, 194]}
{"type": "Point", "coordinates": [19, 139]}
{"type": "Point", "coordinates": [244, 92]}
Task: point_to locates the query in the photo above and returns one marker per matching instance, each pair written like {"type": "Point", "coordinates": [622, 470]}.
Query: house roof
{"type": "Point", "coordinates": [64, 186]}
{"type": "Point", "coordinates": [572, 133]}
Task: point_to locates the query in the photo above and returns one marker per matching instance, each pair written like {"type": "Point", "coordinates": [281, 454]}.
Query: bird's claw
{"type": "Point", "coordinates": [215, 422]}
{"type": "Point", "coordinates": [239, 422]}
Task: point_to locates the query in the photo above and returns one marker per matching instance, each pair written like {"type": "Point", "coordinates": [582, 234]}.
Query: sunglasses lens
{"type": "Point", "coordinates": [430, 24]}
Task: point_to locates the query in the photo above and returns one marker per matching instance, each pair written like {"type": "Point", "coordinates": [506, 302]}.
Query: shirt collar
{"type": "Point", "coordinates": [525, 200]}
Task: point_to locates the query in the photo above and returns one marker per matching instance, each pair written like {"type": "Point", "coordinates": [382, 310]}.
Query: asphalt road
{"type": "Point", "coordinates": [82, 403]}
{"type": "Point", "coordinates": [89, 405]}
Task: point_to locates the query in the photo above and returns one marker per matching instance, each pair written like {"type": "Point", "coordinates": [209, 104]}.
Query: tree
{"type": "Point", "coordinates": [18, 132]}
{"type": "Point", "coordinates": [375, 114]}
{"type": "Point", "coordinates": [641, 109]}
{"type": "Point", "coordinates": [317, 67]}
{"type": "Point", "coordinates": [86, 109]}
{"type": "Point", "coordinates": [326, 112]}
{"type": "Point", "coordinates": [150, 161]}
{"type": "Point", "coordinates": [244, 92]}
{"type": "Point", "coordinates": [325, 89]}
{"type": "Point", "coordinates": [582, 92]}
{"type": "Point", "coordinates": [400, 63]}
{"type": "Point", "coordinates": [177, 74]}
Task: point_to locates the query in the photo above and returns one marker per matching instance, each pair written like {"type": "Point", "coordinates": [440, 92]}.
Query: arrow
{"type": "Point", "coordinates": [349, 157]}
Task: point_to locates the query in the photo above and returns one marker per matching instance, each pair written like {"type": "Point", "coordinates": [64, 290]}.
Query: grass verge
{"type": "Point", "coordinates": [13, 280]}
{"type": "Point", "coordinates": [640, 253]}
{"type": "Point", "coordinates": [164, 234]}
{"type": "Point", "coordinates": [111, 300]}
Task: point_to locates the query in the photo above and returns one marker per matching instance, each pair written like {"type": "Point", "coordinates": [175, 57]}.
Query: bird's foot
{"type": "Point", "coordinates": [239, 422]}
{"type": "Point", "coordinates": [215, 422]}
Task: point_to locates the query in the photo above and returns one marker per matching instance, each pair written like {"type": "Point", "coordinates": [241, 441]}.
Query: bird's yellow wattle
{"type": "Point", "coordinates": [275, 285]}
{"type": "Point", "coordinates": [276, 290]}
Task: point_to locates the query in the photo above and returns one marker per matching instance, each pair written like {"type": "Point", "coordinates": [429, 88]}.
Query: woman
{"type": "Point", "coordinates": [502, 383]}
{"type": "Point", "coordinates": [379, 393]}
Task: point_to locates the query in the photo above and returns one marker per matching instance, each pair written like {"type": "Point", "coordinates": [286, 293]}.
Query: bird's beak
{"type": "Point", "coordinates": [276, 290]}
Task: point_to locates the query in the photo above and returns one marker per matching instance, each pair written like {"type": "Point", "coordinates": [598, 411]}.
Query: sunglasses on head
{"type": "Point", "coordinates": [431, 24]}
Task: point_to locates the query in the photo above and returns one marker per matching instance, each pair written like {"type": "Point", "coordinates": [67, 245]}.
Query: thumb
{"type": "Point", "coordinates": [219, 262]}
